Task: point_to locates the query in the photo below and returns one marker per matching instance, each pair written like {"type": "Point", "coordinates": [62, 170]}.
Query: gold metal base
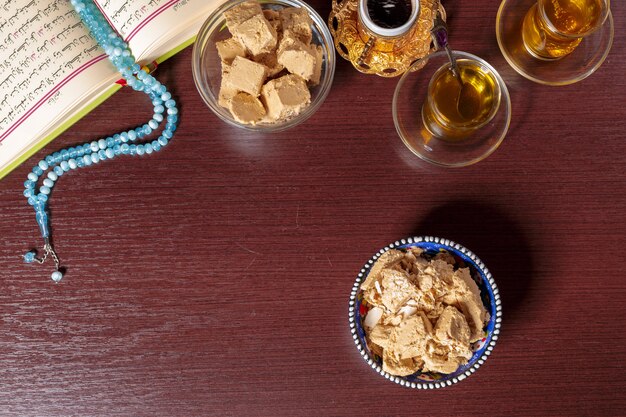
{"type": "Point", "coordinates": [370, 54]}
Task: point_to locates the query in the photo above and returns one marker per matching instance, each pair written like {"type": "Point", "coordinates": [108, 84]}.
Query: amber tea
{"type": "Point", "coordinates": [451, 114]}
{"type": "Point", "coordinates": [552, 29]}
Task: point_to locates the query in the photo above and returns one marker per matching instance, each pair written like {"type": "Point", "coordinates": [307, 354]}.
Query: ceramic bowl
{"type": "Point", "coordinates": [207, 70]}
{"type": "Point", "coordinates": [489, 295]}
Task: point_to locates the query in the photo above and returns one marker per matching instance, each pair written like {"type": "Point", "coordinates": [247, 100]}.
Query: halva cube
{"type": "Point", "coordinates": [245, 75]}
{"type": "Point", "coordinates": [285, 97]}
{"type": "Point", "coordinates": [226, 91]}
{"type": "Point", "coordinates": [297, 57]}
{"type": "Point", "coordinates": [297, 22]}
{"type": "Point", "coordinates": [240, 13]}
{"type": "Point", "coordinates": [246, 108]}
{"type": "Point", "coordinates": [257, 35]}
{"type": "Point", "coordinates": [228, 49]}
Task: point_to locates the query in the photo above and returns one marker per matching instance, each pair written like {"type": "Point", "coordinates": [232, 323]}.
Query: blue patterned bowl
{"type": "Point", "coordinates": [489, 294]}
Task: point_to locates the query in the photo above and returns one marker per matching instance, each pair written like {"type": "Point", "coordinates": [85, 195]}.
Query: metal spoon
{"type": "Point", "coordinates": [467, 100]}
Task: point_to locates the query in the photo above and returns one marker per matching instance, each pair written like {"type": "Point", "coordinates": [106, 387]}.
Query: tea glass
{"type": "Point", "coordinates": [552, 29]}
{"type": "Point", "coordinates": [424, 130]}
{"type": "Point", "coordinates": [548, 50]}
{"type": "Point", "coordinates": [443, 107]}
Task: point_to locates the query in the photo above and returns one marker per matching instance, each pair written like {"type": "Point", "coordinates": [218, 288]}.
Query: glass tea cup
{"type": "Point", "coordinates": [552, 29]}
{"type": "Point", "coordinates": [438, 129]}
{"type": "Point", "coordinates": [456, 107]}
{"type": "Point", "coordinates": [555, 42]}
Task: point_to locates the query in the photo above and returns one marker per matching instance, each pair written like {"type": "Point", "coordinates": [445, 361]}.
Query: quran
{"type": "Point", "coordinates": [52, 72]}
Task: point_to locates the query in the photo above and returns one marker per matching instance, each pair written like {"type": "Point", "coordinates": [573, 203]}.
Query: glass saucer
{"type": "Point", "coordinates": [578, 65]}
{"type": "Point", "coordinates": [408, 100]}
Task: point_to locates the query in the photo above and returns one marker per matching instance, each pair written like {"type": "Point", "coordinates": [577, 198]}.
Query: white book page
{"type": "Point", "coordinates": [154, 27]}
{"type": "Point", "coordinates": [50, 66]}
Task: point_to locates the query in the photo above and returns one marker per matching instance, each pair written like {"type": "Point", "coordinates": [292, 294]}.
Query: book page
{"type": "Point", "coordinates": [153, 27]}
{"type": "Point", "coordinates": [49, 63]}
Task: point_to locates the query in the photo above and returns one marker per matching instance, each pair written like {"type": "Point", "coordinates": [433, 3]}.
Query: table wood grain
{"type": "Point", "coordinates": [213, 278]}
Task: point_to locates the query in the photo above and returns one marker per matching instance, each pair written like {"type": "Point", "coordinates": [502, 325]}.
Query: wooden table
{"type": "Point", "coordinates": [213, 278]}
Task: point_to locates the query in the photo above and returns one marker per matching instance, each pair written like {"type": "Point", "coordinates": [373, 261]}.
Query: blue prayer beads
{"type": "Point", "coordinates": [105, 148]}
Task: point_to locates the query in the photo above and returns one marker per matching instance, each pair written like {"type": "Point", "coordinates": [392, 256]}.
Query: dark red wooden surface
{"type": "Point", "coordinates": [213, 278]}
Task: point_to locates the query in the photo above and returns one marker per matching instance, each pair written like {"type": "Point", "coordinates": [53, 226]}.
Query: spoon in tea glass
{"type": "Point", "coordinates": [467, 99]}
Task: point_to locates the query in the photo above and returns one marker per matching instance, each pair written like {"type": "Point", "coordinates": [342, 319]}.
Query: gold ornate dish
{"type": "Point", "coordinates": [376, 53]}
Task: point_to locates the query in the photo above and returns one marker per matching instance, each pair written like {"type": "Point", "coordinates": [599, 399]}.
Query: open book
{"type": "Point", "coordinates": [52, 72]}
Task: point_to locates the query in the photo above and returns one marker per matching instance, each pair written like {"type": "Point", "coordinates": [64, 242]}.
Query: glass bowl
{"type": "Point", "coordinates": [489, 295]}
{"type": "Point", "coordinates": [412, 92]}
{"type": "Point", "coordinates": [578, 65]}
{"type": "Point", "coordinates": [207, 70]}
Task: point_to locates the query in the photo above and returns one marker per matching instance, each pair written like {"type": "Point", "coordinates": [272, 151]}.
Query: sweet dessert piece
{"type": "Point", "coordinates": [228, 49]}
{"type": "Point", "coordinates": [387, 259]}
{"type": "Point", "coordinates": [425, 312]}
{"type": "Point", "coordinates": [285, 97]}
{"type": "Point", "coordinates": [297, 57]}
{"type": "Point", "coordinates": [296, 23]}
{"type": "Point", "coordinates": [267, 63]}
{"type": "Point", "coordinates": [245, 75]}
{"type": "Point", "coordinates": [240, 13]}
{"type": "Point", "coordinates": [226, 91]}
{"type": "Point", "coordinates": [257, 35]}
{"type": "Point", "coordinates": [466, 296]}
{"type": "Point", "coordinates": [246, 108]}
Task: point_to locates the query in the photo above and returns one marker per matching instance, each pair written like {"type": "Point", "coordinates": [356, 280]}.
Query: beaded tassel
{"type": "Point", "coordinates": [80, 156]}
